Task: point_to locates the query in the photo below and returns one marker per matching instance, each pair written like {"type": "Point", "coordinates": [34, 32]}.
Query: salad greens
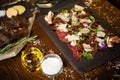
{"type": "Point", "coordinates": [89, 56]}
{"type": "Point", "coordinates": [83, 34]}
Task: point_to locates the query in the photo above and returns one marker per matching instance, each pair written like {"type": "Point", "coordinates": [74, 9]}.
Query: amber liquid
{"type": "Point", "coordinates": [31, 60]}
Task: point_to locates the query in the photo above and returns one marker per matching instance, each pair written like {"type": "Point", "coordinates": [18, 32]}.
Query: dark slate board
{"type": "Point", "coordinates": [26, 14]}
{"type": "Point", "coordinates": [81, 65]}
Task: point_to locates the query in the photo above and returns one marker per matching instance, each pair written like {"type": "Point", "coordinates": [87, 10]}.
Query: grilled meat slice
{"type": "Point", "coordinates": [13, 29]}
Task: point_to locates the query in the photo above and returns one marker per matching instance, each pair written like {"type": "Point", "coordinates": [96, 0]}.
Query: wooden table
{"type": "Point", "coordinates": [12, 69]}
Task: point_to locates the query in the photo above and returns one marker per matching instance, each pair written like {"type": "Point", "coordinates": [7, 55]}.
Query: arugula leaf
{"type": "Point", "coordinates": [80, 40]}
{"type": "Point", "coordinates": [64, 11]}
{"type": "Point", "coordinates": [75, 24]}
{"type": "Point", "coordinates": [72, 31]}
{"type": "Point", "coordinates": [57, 24]}
{"type": "Point", "coordinates": [89, 56]}
{"type": "Point", "coordinates": [93, 20]}
{"type": "Point", "coordinates": [72, 10]}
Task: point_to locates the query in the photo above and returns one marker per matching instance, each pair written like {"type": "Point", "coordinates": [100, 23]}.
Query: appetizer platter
{"type": "Point", "coordinates": [84, 38]}
{"type": "Point", "coordinates": [16, 20]}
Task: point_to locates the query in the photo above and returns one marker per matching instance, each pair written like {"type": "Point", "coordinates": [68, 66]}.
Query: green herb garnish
{"type": "Point", "coordinates": [75, 24]}
{"type": "Point", "coordinates": [89, 56]}
{"type": "Point", "coordinates": [93, 20]}
{"type": "Point", "coordinates": [72, 9]}
{"type": "Point", "coordinates": [72, 31]}
{"type": "Point", "coordinates": [57, 24]}
{"type": "Point", "coordinates": [21, 41]}
{"type": "Point", "coordinates": [64, 11]}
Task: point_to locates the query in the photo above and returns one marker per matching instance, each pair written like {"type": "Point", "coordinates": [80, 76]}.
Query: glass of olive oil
{"type": "Point", "coordinates": [31, 59]}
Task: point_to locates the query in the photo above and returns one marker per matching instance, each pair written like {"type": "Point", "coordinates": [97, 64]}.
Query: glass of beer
{"type": "Point", "coordinates": [31, 59]}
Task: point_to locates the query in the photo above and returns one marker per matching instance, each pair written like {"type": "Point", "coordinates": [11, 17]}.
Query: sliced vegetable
{"type": "Point", "coordinates": [11, 12]}
{"type": "Point", "coordinates": [21, 9]}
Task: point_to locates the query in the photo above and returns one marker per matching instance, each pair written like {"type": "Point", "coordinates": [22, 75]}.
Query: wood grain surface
{"type": "Point", "coordinates": [12, 69]}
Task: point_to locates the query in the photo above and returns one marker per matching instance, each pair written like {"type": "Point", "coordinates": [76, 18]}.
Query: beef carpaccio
{"type": "Point", "coordinates": [82, 33]}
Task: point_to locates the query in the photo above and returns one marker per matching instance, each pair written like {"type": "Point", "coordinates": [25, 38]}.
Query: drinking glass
{"type": "Point", "coordinates": [46, 3]}
{"type": "Point", "coordinates": [51, 65]}
{"type": "Point", "coordinates": [31, 59]}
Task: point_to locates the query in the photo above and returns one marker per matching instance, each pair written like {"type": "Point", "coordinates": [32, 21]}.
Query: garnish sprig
{"type": "Point", "coordinates": [21, 41]}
